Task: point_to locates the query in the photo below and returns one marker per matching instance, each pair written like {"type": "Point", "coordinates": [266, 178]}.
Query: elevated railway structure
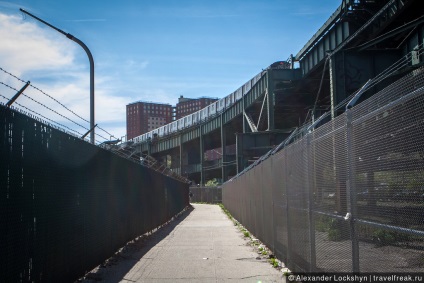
{"type": "Point", "coordinates": [360, 40]}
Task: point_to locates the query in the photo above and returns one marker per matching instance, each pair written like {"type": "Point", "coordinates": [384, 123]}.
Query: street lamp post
{"type": "Point", "coordinates": [90, 57]}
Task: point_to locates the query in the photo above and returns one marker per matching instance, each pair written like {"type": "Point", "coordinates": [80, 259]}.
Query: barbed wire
{"type": "Point", "coordinates": [50, 110]}
{"type": "Point", "coordinates": [44, 117]}
{"type": "Point", "coordinates": [45, 106]}
{"type": "Point", "coordinates": [59, 127]}
{"type": "Point", "coordinates": [12, 75]}
{"type": "Point", "coordinates": [54, 111]}
{"type": "Point", "coordinates": [101, 136]}
{"type": "Point", "coordinates": [6, 85]}
{"type": "Point", "coordinates": [5, 98]}
{"type": "Point", "coordinates": [54, 99]}
{"type": "Point", "coordinates": [104, 131]}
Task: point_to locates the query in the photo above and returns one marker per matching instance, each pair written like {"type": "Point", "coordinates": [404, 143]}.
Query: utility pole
{"type": "Point", "coordinates": [90, 57]}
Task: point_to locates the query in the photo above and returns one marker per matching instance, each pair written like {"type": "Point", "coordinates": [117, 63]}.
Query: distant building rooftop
{"type": "Point", "coordinates": [151, 102]}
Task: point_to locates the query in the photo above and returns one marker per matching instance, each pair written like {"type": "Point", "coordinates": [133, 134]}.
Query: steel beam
{"type": "Point", "coordinates": [394, 32]}
{"type": "Point", "coordinates": [223, 150]}
{"type": "Point", "coordinates": [202, 156]}
{"type": "Point", "coordinates": [270, 100]}
{"type": "Point", "coordinates": [181, 154]}
{"type": "Point", "coordinates": [332, 94]}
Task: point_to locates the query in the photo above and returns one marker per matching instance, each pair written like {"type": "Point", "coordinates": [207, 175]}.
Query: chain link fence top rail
{"type": "Point", "coordinates": [347, 196]}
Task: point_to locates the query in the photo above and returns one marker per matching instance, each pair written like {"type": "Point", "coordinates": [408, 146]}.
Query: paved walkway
{"type": "Point", "coordinates": [203, 245]}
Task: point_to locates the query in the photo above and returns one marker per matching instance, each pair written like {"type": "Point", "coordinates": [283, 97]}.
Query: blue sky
{"type": "Point", "coordinates": [148, 50]}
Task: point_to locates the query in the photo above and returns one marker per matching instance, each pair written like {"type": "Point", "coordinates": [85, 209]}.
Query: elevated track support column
{"type": "Point", "coordinates": [202, 155]}
{"type": "Point", "coordinates": [243, 101]}
{"type": "Point", "coordinates": [332, 81]}
{"type": "Point", "coordinates": [181, 154]}
{"type": "Point", "coordinates": [223, 150]}
{"type": "Point", "coordinates": [270, 100]}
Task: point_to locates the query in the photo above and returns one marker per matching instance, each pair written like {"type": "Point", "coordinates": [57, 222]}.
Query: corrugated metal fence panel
{"type": "Point", "coordinates": [66, 205]}
{"type": "Point", "coordinates": [349, 196]}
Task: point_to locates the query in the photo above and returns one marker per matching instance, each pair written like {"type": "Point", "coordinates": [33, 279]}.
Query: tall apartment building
{"type": "Point", "coordinates": [142, 117]}
{"type": "Point", "coordinates": [186, 106]}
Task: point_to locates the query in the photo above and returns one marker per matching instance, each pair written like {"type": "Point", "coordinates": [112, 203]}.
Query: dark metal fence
{"type": "Point", "coordinates": [206, 194]}
{"type": "Point", "coordinates": [349, 195]}
{"type": "Point", "coordinates": [67, 205]}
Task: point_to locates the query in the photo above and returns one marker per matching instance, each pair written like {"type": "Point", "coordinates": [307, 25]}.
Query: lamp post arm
{"type": "Point", "coordinates": [90, 58]}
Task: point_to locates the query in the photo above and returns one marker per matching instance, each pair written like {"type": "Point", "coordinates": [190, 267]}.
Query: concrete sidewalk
{"type": "Point", "coordinates": [203, 245]}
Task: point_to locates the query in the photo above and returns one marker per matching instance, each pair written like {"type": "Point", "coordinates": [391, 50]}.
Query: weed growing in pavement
{"type": "Point", "coordinates": [255, 243]}
{"type": "Point", "coordinates": [263, 251]}
{"type": "Point", "coordinates": [226, 212]}
{"type": "Point", "coordinates": [274, 262]}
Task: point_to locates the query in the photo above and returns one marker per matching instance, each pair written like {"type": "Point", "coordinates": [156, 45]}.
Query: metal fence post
{"type": "Point", "coordinates": [351, 187]}
{"type": "Point", "coordinates": [312, 251]}
{"type": "Point", "coordinates": [10, 102]}
{"type": "Point", "coordinates": [287, 210]}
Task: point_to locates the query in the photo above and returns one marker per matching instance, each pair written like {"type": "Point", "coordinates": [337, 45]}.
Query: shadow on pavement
{"type": "Point", "coordinates": [116, 267]}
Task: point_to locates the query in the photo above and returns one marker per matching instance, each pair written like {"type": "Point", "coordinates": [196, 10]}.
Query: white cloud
{"type": "Point", "coordinates": [28, 51]}
{"type": "Point", "coordinates": [27, 47]}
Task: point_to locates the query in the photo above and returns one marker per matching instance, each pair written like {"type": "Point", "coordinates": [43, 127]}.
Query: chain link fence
{"type": "Point", "coordinates": [67, 205]}
{"type": "Point", "coordinates": [347, 196]}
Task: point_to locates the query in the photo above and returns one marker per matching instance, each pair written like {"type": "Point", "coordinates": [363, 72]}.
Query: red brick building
{"type": "Point", "coordinates": [142, 117]}
{"type": "Point", "coordinates": [186, 106]}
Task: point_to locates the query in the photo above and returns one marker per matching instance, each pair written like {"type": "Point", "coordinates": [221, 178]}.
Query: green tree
{"type": "Point", "coordinates": [212, 183]}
